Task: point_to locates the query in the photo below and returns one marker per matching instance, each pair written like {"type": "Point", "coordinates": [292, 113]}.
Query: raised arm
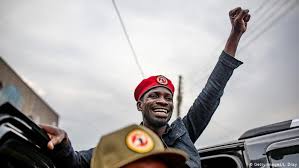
{"type": "Point", "coordinates": [206, 103]}
{"type": "Point", "coordinates": [238, 19]}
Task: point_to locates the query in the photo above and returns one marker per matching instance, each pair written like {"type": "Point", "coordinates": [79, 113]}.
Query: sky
{"type": "Point", "coordinates": [75, 55]}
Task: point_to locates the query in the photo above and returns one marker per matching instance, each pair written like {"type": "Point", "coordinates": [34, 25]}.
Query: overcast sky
{"type": "Point", "coordinates": [74, 54]}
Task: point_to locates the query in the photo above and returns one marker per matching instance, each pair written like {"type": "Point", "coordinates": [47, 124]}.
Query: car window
{"type": "Point", "coordinates": [287, 157]}
{"type": "Point", "coordinates": [219, 161]}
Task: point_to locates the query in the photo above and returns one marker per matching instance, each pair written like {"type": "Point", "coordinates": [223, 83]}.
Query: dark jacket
{"type": "Point", "coordinates": [182, 133]}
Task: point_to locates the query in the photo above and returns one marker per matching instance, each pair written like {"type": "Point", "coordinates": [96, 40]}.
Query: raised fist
{"type": "Point", "coordinates": [239, 18]}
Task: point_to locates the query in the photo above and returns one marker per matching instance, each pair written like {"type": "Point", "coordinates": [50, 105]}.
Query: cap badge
{"type": "Point", "coordinates": [162, 80]}
{"type": "Point", "coordinates": [139, 141]}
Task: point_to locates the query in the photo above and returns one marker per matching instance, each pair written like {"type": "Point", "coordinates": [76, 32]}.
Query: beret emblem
{"type": "Point", "coordinates": [162, 80]}
{"type": "Point", "coordinates": [139, 141]}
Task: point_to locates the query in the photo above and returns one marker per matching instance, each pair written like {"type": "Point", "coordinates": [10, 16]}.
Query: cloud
{"type": "Point", "coordinates": [76, 52]}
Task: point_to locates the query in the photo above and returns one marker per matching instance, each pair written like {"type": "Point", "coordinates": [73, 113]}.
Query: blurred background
{"type": "Point", "coordinates": [76, 56]}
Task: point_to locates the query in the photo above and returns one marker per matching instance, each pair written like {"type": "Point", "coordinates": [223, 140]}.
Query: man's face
{"type": "Point", "coordinates": [156, 106]}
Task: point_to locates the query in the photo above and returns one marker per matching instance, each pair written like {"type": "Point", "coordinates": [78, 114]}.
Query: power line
{"type": "Point", "coordinates": [260, 13]}
{"type": "Point", "coordinates": [263, 30]}
{"type": "Point", "coordinates": [267, 27]}
{"type": "Point", "coordinates": [261, 6]}
{"type": "Point", "coordinates": [205, 69]}
{"type": "Point", "coordinates": [128, 39]}
{"type": "Point", "coordinates": [267, 15]}
{"type": "Point", "coordinates": [263, 14]}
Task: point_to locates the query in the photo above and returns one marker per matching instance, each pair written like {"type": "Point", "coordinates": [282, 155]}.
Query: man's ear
{"type": "Point", "coordinates": [139, 104]}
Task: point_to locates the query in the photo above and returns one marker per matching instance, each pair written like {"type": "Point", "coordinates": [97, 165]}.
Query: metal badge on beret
{"type": "Point", "coordinates": [162, 80]}
{"type": "Point", "coordinates": [139, 141]}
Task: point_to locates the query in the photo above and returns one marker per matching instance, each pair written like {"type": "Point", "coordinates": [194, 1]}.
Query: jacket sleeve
{"type": "Point", "coordinates": [64, 156]}
{"type": "Point", "coordinates": [206, 103]}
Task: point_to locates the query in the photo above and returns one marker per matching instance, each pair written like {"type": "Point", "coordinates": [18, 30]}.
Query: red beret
{"type": "Point", "coordinates": [152, 82]}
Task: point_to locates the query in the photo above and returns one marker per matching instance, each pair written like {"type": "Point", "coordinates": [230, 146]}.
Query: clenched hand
{"type": "Point", "coordinates": [239, 18]}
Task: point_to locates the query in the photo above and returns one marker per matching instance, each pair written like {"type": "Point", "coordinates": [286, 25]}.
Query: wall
{"type": "Point", "coordinates": [18, 93]}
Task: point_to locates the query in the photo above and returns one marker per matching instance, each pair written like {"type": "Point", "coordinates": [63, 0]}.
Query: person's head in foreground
{"type": "Point", "coordinates": [135, 147]}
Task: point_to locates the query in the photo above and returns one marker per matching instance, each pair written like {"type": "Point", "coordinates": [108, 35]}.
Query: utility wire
{"type": "Point", "coordinates": [262, 30]}
{"type": "Point", "coordinates": [128, 39]}
{"type": "Point", "coordinates": [206, 67]}
{"type": "Point", "coordinates": [257, 10]}
{"type": "Point", "coordinates": [263, 16]}
{"type": "Point", "coordinates": [267, 27]}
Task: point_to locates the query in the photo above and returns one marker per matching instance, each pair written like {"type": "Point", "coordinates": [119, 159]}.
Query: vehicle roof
{"type": "Point", "coordinates": [268, 129]}
{"type": "Point", "coordinates": [229, 145]}
{"type": "Point", "coordinates": [272, 128]}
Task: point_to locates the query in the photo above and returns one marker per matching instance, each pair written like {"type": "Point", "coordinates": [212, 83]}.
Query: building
{"type": "Point", "coordinates": [23, 97]}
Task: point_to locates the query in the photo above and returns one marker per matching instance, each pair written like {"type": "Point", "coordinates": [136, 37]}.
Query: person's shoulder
{"type": "Point", "coordinates": [176, 122]}
{"type": "Point", "coordinates": [178, 126]}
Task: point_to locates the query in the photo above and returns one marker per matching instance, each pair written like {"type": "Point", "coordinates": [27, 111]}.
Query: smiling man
{"type": "Point", "coordinates": [154, 97]}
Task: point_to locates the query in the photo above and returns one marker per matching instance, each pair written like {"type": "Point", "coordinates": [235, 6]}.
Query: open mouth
{"type": "Point", "coordinates": [161, 113]}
